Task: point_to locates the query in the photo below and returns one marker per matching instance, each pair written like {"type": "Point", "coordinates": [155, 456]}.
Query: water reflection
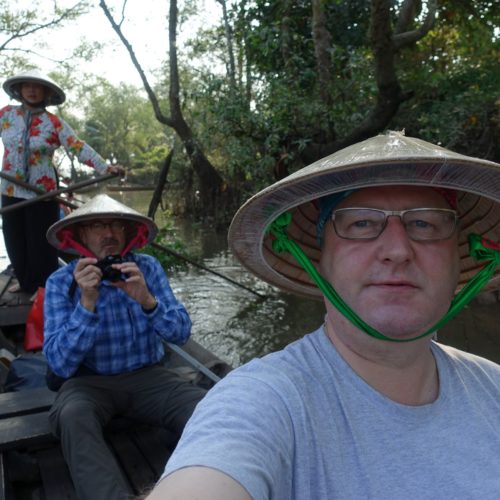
{"type": "Point", "coordinates": [235, 323]}
{"type": "Point", "coordinates": [229, 320]}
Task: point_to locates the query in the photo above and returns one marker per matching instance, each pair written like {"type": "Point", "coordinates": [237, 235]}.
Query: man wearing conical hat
{"type": "Point", "coordinates": [106, 317]}
{"type": "Point", "coordinates": [396, 235]}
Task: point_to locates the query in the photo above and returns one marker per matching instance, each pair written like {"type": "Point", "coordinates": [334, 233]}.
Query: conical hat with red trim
{"type": "Point", "coordinates": [101, 206]}
{"type": "Point", "coordinates": [389, 159]}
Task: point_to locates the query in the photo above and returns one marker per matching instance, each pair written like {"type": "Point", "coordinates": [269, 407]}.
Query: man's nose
{"type": "Point", "coordinates": [107, 229]}
{"type": "Point", "coordinates": [396, 242]}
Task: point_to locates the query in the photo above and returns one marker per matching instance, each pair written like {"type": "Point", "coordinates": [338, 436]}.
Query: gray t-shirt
{"type": "Point", "coordinates": [301, 424]}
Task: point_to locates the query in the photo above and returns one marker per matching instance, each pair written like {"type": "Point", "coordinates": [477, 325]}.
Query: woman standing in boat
{"type": "Point", "coordinates": [31, 135]}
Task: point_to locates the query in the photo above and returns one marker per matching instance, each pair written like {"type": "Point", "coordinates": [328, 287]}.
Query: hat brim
{"type": "Point", "coordinates": [10, 87]}
{"type": "Point", "coordinates": [380, 161]}
{"type": "Point", "coordinates": [99, 207]}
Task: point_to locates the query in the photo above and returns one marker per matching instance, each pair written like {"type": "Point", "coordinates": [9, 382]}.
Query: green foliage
{"type": "Point", "coordinates": [251, 132]}
{"type": "Point", "coordinates": [119, 123]}
{"type": "Point", "coordinates": [255, 124]}
{"type": "Point", "coordinates": [22, 31]}
{"type": "Point", "coordinates": [167, 237]}
{"type": "Point", "coordinates": [452, 72]}
{"type": "Point", "coordinates": [455, 74]}
{"type": "Point", "coordinates": [272, 29]}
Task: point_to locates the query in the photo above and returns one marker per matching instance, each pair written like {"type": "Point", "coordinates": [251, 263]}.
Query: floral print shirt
{"type": "Point", "coordinates": [47, 133]}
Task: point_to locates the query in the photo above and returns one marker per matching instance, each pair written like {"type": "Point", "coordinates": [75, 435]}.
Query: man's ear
{"type": "Point", "coordinates": [79, 234]}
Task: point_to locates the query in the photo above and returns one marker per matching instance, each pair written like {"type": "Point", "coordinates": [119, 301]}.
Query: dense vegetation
{"type": "Point", "coordinates": [285, 83]}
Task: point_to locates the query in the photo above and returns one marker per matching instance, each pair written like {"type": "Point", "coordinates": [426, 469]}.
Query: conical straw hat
{"type": "Point", "coordinates": [391, 159]}
{"type": "Point", "coordinates": [11, 86]}
{"type": "Point", "coordinates": [101, 206]}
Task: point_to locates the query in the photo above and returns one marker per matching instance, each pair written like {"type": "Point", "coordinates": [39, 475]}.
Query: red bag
{"type": "Point", "coordinates": [33, 334]}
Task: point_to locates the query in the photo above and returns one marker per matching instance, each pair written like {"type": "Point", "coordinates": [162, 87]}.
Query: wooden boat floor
{"type": "Point", "coordinates": [41, 472]}
{"type": "Point", "coordinates": [32, 466]}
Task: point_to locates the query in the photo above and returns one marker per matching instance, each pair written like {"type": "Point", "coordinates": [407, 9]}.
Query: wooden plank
{"type": "Point", "coordinates": [25, 430]}
{"type": "Point", "coordinates": [56, 479]}
{"type": "Point", "coordinates": [137, 470]}
{"type": "Point", "coordinates": [14, 314]}
{"type": "Point", "coordinates": [14, 307]}
{"type": "Point", "coordinates": [156, 445]}
{"type": "Point", "coordinates": [2, 477]}
{"type": "Point", "coordinates": [27, 401]}
{"type": "Point", "coordinates": [6, 343]}
{"type": "Point", "coordinates": [5, 281]}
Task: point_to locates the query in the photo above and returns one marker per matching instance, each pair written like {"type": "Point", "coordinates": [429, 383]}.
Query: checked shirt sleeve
{"type": "Point", "coordinates": [69, 329]}
{"type": "Point", "coordinates": [170, 320]}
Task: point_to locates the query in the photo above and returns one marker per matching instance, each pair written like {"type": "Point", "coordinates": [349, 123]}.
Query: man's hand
{"type": "Point", "coordinates": [134, 286]}
{"type": "Point", "coordinates": [116, 169]}
{"type": "Point", "coordinates": [88, 277]}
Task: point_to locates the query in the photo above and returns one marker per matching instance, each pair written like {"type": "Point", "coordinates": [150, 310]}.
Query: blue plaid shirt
{"type": "Point", "coordinates": [118, 336]}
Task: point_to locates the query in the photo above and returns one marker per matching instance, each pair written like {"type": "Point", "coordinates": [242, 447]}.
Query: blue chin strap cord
{"type": "Point", "coordinates": [479, 248]}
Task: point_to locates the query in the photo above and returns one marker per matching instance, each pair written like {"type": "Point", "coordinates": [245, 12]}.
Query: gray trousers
{"type": "Point", "coordinates": [84, 405]}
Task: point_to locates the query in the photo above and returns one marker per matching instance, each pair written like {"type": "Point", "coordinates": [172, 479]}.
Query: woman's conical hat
{"type": "Point", "coordinates": [390, 159]}
{"type": "Point", "coordinates": [101, 206]}
{"type": "Point", "coordinates": [11, 86]}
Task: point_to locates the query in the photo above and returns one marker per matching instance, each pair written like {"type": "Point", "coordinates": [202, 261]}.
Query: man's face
{"type": "Point", "coordinates": [103, 237]}
{"type": "Point", "coordinates": [398, 286]}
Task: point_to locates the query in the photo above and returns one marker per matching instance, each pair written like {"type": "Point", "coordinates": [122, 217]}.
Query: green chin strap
{"type": "Point", "coordinates": [479, 248]}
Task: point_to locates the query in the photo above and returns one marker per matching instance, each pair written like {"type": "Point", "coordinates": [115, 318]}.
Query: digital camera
{"type": "Point", "coordinates": [108, 272]}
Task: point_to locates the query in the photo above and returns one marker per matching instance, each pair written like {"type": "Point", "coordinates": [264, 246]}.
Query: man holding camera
{"type": "Point", "coordinates": [106, 317]}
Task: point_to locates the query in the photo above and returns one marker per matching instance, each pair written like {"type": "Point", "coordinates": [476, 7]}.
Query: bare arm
{"type": "Point", "coordinates": [198, 483]}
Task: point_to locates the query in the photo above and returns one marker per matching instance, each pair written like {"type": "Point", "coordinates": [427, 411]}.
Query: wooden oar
{"type": "Point", "coordinates": [34, 189]}
{"type": "Point", "coordinates": [49, 194]}
{"type": "Point", "coordinates": [196, 264]}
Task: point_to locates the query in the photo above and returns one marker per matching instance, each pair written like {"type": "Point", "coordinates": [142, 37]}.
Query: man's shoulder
{"type": "Point", "coordinates": [143, 259]}
{"type": "Point", "coordinates": [467, 360]}
{"type": "Point", "coordinates": [297, 361]}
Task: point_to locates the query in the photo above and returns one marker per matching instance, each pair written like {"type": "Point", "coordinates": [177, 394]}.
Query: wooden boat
{"type": "Point", "coordinates": [31, 462]}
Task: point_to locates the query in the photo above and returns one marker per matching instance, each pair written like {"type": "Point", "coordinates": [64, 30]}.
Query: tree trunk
{"type": "Point", "coordinates": [322, 46]}
{"type": "Point", "coordinates": [160, 185]}
{"type": "Point", "coordinates": [385, 45]}
{"type": "Point", "coordinates": [211, 183]}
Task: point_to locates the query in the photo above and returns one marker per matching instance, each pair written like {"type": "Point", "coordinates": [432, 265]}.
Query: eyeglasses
{"type": "Point", "coordinates": [100, 227]}
{"type": "Point", "coordinates": [421, 224]}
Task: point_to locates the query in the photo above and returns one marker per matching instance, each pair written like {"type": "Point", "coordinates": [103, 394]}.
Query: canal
{"type": "Point", "coordinates": [231, 321]}
{"type": "Point", "coordinates": [237, 325]}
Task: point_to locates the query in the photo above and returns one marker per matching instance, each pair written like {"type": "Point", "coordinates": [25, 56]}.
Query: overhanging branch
{"type": "Point", "coordinates": [152, 96]}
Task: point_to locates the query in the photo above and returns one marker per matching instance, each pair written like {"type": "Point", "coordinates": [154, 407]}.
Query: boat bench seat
{"type": "Point", "coordinates": [23, 418]}
{"type": "Point", "coordinates": [25, 437]}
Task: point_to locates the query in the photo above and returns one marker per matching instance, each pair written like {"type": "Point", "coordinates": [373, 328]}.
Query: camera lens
{"type": "Point", "coordinates": [108, 272]}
